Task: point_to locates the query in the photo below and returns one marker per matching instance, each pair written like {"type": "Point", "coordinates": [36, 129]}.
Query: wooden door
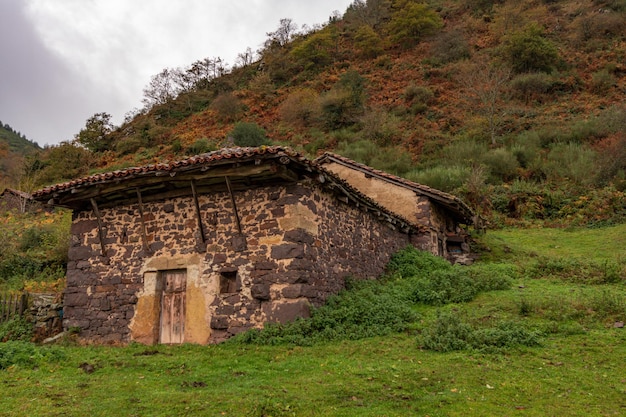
{"type": "Point", "coordinates": [173, 307]}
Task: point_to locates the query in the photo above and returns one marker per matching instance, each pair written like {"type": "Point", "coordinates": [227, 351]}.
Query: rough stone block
{"type": "Point", "coordinates": [283, 312]}
{"type": "Point", "coordinates": [288, 251]}
{"type": "Point", "coordinates": [260, 291]}
{"type": "Point", "coordinates": [298, 236]}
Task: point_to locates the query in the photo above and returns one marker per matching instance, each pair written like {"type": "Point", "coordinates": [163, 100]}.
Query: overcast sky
{"type": "Point", "coordinates": [62, 61]}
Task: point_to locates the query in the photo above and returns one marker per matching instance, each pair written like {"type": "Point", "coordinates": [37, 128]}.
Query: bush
{"type": "Point", "coordinates": [249, 134]}
{"type": "Point", "coordinates": [444, 178]}
{"type": "Point", "coordinates": [412, 22]}
{"type": "Point", "coordinates": [502, 164]}
{"type": "Point", "coordinates": [602, 81]}
{"type": "Point", "coordinates": [418, 97]}
{"type": "Point", "coordinates": [449, 47]}
{"type": "Point", "coordinates": [531, 87]}
{"type": "Point", "coordinates": [301, 108]}
{"type": "Point", "coordinates": [368, 42]}
{"type": "Point", "coordinates": [529, 51]}
{"type": "Point", "coordinates": [201, 146]}
{"type": "Point", "coordinates": [227, 106]}
{"type": "Point", "coordinates": [16, 329]}
{"type": "Point", "coordinates": [450, 333]}
{"type": "Point", "coordinates": [570, 161]}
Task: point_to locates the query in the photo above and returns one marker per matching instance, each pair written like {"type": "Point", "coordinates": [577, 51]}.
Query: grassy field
{"type": "Point", "coordinates": [570, 286]}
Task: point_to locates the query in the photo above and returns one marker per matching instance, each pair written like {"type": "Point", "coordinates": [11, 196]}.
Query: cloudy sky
{"type": "Point", "coordinates": [62, 61]}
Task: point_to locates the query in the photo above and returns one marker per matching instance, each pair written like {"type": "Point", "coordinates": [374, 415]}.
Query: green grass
{"type": "Point", "coordinates": [576, 370]}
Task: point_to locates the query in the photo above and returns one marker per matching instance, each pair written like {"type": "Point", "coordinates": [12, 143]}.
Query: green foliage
{"type": "Point", "coordinates": [570, 161]}
{"type": "Point", "coordinates": [449, 47]}
{"type": "Point", "coordinates": [18, 328]}
{"type": "Point", "coordinates": [34, 247]}
{"type": "Point", "coordinates": [602, 81]}
{"type": "Point", "coordinates": [368, 308]}
{"type": "Point", "coordinates": [451, 333]}
{"type": "Point", "coordinates": [393, 160]}
{"type": "Point", "coordinates": [368, 42]}
{"type": "Point", "coordinates": [418, 97]}
{"type": "Point", "coordinates": [344, 103]}
{"type": "Point", "coordinates": [444, 178]}
{"type": "Point", "coordinates": [532, 86]}
{"type": "Point", "coordinates": [249, 134]}
{"type": "Point", "coordinates": [95, 135]}
{"type": "Point", "coordinates": [529, 51]}
{"type": "Point", "coordinates": [301, 108]}
{"type": "Point", "coordinates": [64, 162]}
{"type": "Point", "coordinates": [381, 127]}
{"type": "Point", "coordinates": [27, 355]}
{"type": "Point", "coordinates": [379, 307]}
{"type": "Point", "coordinates": [315, 51]}
{"type": "Point", "coordinates": [411, 22]}
{"type": "Point", "coordinates": [502, 164]}
{"type": "Point", "coordinates": [202, 145]}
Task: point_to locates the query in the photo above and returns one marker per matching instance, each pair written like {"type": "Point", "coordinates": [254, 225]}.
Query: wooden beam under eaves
{"type": "Point", "coordinates": [94, 205]}
{"type": "Point", "coordinates": [232, 199]}
{"type": "Point", "coordinates": [198, 215]}
{"type": "Point", "coordinates": [144, 237]}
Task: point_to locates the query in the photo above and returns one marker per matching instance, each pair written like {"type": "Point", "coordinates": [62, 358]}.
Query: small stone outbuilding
{"type": "Point", "coordinates": [20, 201]}
{"type": "Point", "coordinates": [441, 214]}
{"type": "Point", "coordinates": [197, 250]}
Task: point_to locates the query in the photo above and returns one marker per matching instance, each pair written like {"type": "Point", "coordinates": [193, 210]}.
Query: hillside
{"type": "Point", "coordinates": [13, 147]}
{"type": "Point", "coordinates": [516, 106]}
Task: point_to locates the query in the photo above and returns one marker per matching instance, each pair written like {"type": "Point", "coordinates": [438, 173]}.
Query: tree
{"type": "Point", "coordinates": [487, 83]}
{"type": "Point", "coordinates": [94, 136]}
{"type": "Point", "coordinates": [287, 29]}
{"type": "Point", "coordinates": [161, 89]}
{"type": "Point", "coordinates": [367, 41]}
{"type": "Point", "coordinates": [411, 22]}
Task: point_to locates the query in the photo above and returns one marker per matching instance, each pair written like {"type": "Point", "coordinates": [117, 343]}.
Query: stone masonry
{"type": "Point", "coordinates": [297, 245]}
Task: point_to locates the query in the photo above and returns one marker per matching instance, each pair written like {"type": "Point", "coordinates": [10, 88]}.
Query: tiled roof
{"type": "Point", "coordinates": [208, 159]}
{"type": "Point", "coordinates": [194, 164]}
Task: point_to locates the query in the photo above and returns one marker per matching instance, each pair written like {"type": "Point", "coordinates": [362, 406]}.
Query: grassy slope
{"type": "Point", "coordinates": [579, 370]}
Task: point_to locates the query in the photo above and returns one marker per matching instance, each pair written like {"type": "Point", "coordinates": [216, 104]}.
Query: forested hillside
{"type": "Point", "coordinates": [13, 147]}
{"type": "Point", "coordinates": [518, 107]}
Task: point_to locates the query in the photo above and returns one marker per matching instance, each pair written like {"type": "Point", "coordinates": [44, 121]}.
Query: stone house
{"type": "Point", "coordinates": [203, 248]}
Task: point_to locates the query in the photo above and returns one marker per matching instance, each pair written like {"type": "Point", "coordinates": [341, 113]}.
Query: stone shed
{"type": "Point", "coordinates": [197, 250]}
{"type": "Point", "coordinates": [442, 215]}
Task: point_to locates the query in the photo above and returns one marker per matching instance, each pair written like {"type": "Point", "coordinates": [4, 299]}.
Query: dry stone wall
{"type": "Point", "coordinates": [297, 245]}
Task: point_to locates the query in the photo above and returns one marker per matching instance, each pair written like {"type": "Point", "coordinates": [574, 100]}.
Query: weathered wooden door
{"type": "Point", "coordinates": [173, 307]}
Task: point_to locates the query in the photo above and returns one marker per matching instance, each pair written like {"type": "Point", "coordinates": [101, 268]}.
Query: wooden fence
{"type": "Point", "coordinates": [12, 305]}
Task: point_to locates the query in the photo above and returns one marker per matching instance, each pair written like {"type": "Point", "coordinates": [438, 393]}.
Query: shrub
{"type": "Point", "coordinates": [532, 86]}
{"type": "Point", "coordinates": [449, 47]}
{"type": "Point", "coordinates": [381, 127]}
{"type": "Point", "coordinates": [502, 164]}
{"type": "Point", "coordinates": [412, 22]}
{"type": "Point", "coordinates": [466, 152]}
{"type": "Point", "coordinates": [16, 329]}
{"type": "Point", "coordinates": [529, 51]}
{"type": "Point", "coordinates": [201, 146]}
{"type": "Point", "coordinates": [418, 97]}
{"type": "Point", "coordinates": [301, 108]}
{"type": "Point", "coordinates": [492, 277]}
{"type": "Point", "coordinates": [390, 159]}
{"type": "Point", "coordinates": [368, 42]}
{"type": "Point", "coordinates": [602, 81]}
{"type": "Point", "coordinates": [570, 161]}
{"type": "Point", "coordinates": [444, 178]}
{"type": "Point", "coordinates": [249, 134]}
{"type": "Point", "coordinates": [450, 333]}
{"type": "Point", "coordinates": [227, 106]}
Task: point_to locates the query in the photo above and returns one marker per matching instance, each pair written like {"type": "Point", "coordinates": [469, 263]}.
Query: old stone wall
{"type": "Point", "coordinates": [297, 245]}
